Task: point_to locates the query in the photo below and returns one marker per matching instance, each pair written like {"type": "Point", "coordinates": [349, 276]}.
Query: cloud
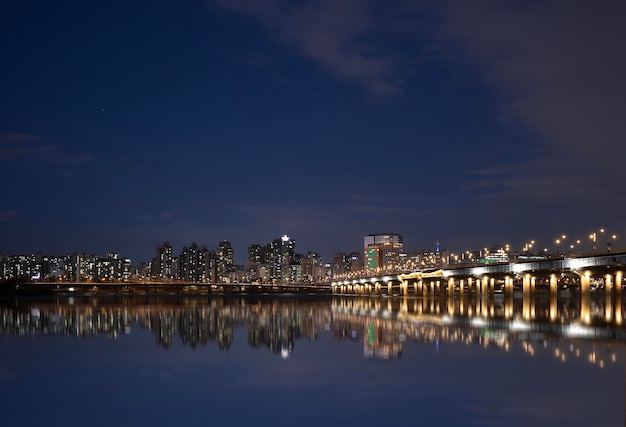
{"type": "Point", "coordinates": [17, 138]}
{"type": "Point", "coordinates": [558, 67]}
{"type": "Point", "coordinates": [28, 148]}
{"type": "Point", "coordinates": [338, 35]}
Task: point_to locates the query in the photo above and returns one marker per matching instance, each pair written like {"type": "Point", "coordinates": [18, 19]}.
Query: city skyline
{"type": "Point", "coordinates": [126, 125]}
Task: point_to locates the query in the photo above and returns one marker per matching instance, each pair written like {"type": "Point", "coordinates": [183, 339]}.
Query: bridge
{"type": "Point", "coordinates": [606, 268]}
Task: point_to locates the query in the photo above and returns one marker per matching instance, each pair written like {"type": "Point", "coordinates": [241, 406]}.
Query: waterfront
{"type": "Point", "coordinates": [324, 360]}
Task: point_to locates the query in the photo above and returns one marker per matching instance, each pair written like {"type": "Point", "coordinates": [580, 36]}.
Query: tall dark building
{"type": "Point", "coordinates": [280, 254]}
{"type": "Point", "coordinates": [163, 263]}
{"type": "Point", "coordinates": [192, 264]}
{"type": "Point", "coordinates": [255, 254]}
{"type": "Point", "coordinates": [224, 259]}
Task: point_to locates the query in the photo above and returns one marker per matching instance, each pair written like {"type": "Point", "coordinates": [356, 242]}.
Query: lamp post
{"type": "Point", "coordinates": [594, 237]}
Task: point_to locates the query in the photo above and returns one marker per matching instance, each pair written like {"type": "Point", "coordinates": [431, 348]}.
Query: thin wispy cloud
{"type": "Point", "coordinates": [337, 35]}
{"type": "Point", "coordinates": [558, 68]}
{"type": "Point", "coordinates": [29, 148]}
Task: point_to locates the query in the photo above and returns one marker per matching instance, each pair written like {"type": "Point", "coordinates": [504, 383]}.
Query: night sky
{"type": "Point", "coordinates": [125, 124]}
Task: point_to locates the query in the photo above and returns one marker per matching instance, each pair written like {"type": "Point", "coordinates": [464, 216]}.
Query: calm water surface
{"type": "Point", "coordinates": [316, 361]}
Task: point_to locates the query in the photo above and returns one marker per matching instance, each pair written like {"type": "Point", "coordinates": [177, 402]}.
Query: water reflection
{"type": "Point", "coordinates": [325, 360]}
{"type": "Point", "coordinates": [383, 325]}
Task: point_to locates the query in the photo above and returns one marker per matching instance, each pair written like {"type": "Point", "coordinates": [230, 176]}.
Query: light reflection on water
{"type": "Point", "coordinates": [312, 361]}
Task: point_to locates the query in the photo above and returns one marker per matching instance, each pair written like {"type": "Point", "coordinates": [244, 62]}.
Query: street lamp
{"type": "Point", "coordinates": [594, 237]}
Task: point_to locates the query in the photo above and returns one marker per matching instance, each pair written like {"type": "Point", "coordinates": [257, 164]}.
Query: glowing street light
{"type": "Point", "coordinates": [594, 237]}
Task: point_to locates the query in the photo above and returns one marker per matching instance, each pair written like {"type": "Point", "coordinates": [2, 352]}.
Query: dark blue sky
{"type": "Point", "coordinates": [124, 124]}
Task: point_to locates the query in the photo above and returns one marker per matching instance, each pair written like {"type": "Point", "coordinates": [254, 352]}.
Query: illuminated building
{"type": "Point", "coordinates": [224, 258]}
{"type": "Point", "coordinates": [280, 254]}
{"type": "Point", "coordinates": [381, 251]}
{"type": "Point", "coordinates": [192, 264]}
{"type": "Point", "coordinates": [163, 263]}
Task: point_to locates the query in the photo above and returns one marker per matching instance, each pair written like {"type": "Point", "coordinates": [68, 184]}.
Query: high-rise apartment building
{"type": "Point", "coordinates": [224, 259]}
{"type": "Point", "coordinates": [255, 254]}
{"type": "Point", "coordinates": [192, 264]}
{"type": "Point", "coordinates": [163, 263]}
{"type": "Point", "coordinates": [280, 254]}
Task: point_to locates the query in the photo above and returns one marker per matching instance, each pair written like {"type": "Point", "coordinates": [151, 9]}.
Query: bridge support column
{"type": "Point", "coordinates": [553, 297]}
{"type": "Point", "coordinates": [461, 286]}
{"type": "Point", "coordinates": [608, 297]}
{"type": "Point", "coordinates": [484, 295]}
{"type": "Point", "coordinates": [508, 285]}
{"type": "Point", "coordinates": [389, 287]}
{"type": "Point", "coordinates": [553, 284]}
{"type": "Point", "coordinates": [450, 288]}
{"type": "Point", "coordinates": [585, 297]}
{"type": "Point", "coordinates": [617, 298]}
{"type": "Point", "coordinates": [470, 282]}
{"type": "Point", "coordinates": [528, 305]}
{"type": "Point", "coordinates": [526, 284]}
{"type": "Point", "coordinates": [405, 287]}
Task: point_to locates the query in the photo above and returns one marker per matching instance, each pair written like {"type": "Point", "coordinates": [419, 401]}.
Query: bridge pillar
{"type": "Point", "coordinates": [617, 298]}
{"type": "Point", "coordinates": [526, 284]}
{"type": "Point", "coordinates": [608, 297]}
{"type": "Point", "coordinates": [405, 287]}
{"type": "Point", "coordinates": [484, 295]}
{"type": "Point", "coordinates": [461, 285]}
{"type": "Point", "coordinates": [484, 285]}
{"type": "Point", "coordinates": [451, 287]}
{"type": "Point", "coordinates": [508, 285]}
{"type": "Point", "coordinates": [553, 297]}
{"type": "Point", "coordinates": [553, 284]}
{"type": "Point", "coordinates": [469, 285]}
{"type": "Point", "coordinates": [389, 289]}
{"type": "Point", "coordinates": [585, 297]}
{"type": "Point", "coordinates": [528, 304]}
